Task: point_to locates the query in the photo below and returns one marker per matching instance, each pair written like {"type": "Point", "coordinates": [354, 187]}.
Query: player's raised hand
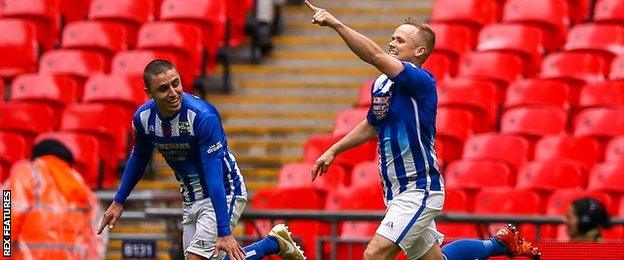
{"type": "Point", "coordinates": [322, 17]}
{"type": "Point", "coordinates": [322, 164]}
{"type": "Point", "coordinates": [112, 214]}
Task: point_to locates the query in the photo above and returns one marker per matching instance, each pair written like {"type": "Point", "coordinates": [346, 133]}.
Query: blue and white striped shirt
{"type": "Point", "coordinates": [403, 111]}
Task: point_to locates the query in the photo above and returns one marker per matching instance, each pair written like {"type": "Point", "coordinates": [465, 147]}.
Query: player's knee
{"type": "Point", "coordinates": [376, 251]}
{"type": "Point", "coordinates": [191, 256]}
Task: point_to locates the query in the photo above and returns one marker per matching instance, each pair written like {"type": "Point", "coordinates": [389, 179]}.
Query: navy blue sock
{"type": "Point", "coordinates": [256, 251]}
{"type": "Point", "coordinates": [470, 249]}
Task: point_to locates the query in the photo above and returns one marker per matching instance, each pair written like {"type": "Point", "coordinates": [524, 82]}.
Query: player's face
{"type": "Point", "coordinates": [406, 43]}
{"type": "Point", "coordinates": [166, 90]}
{"type": "Point", "coordinates": [571, 222]}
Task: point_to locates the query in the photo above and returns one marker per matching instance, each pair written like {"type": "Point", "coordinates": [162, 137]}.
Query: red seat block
{"type": "Point", "coordinates": [298, 175]}
{"type": "Point", "coordinates": [453, 127]}
{"type": "Point", "coordinates": [601, 123]}
{"type": "Point", "coordinates": [510, 149]}
{"type": "Point", "coordinates": [477, 97]}
{"type": "Point", "coordinates": [472, 175]}
{"type": "Point", "coordinates": [603, 94]}
{"type": "Point", "coordinates": [124, 91]}
{"type": "Point", "coordinates": [515, 38]}
{"type": "Point", "coordinates": [318, 144]}
{"type": "Point", "coordinates": [609, 11]}
{"type": "Point", "coordinates": [130, 14]}
{"type": "Point", "coordinates": [79, 64]}
{"type": "Point", "coordinates": [549, 16]}
{"type": "Point", "coordinates": [584, 151]}
{"type": "Point", "coordinates": [133, 62]}
{"type": "Point", "coordinates": [499, 67]}
{"type": "Point", "coordinates": [608, 178]}
{"type": "Point", "coordinates": [347, 119]}
{"type": "Point", "coordinates": [617, 68]}
{"type": "Point", "coordinates": [453, 40]}
{"type": "Point", "coordinates": [366, 174]}
{"type": "Point", "coordinates": [474, 13]}
{"type": "Point", "coordinates": [18, 48]}
{"type": "Point", "coordinates": [537, 92]}
{"type": "Point", "coordinates": [534, 122]}
{"type": "Point", "coordinates": [28, 119]}
{"type": "Point", "coordinates": [105, 38]}
{"type": "Point", "coordinates": [548, 176]}
{"type": "Point", "coordinates": [615, 150]}
{"type": "Point", "coordinates": [607, 40]}
{"type": "Point", "coordinates": [12, 148]}
{"type": "Point", "coordinates": [208, 15]}
{"type": "Point", "coordinates": [44, 14]}
{"type": "Point", "coordinates": [440, 65]}
{"type": "Point", "coordinates": [54, 90]}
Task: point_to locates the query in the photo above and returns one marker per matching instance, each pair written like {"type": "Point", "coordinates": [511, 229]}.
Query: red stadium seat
{"type": "Point", "coordinates": [456, 201]}
{"type": "Point", "coordinates": [12, 148]}
{"type": "Point", "coordinates": [499, 67]}
{"type": "Point", "coordinates": [318, 144]}
{"type": "Point", "coordinates": [366, 174]}
{"type": "Point", "coordinates": [607, 40]}
{"type": "Point", "coordinates": [44, 14]}
{"type": "Point", "coordinates": [473, 13]}
{"type": "Point", "coordinates": [85, 149]}
{"type": "Point", "coordinates": [453, 126]}
{"type": "Point", "coordinates": [604, 94]}
{"type": "Point", "coordinates": [182, 40]}
{"type": "Point", "coordinates": [347, 119]}
{"type": "Point", "coordinates": [609, 11]}
{"type": "Point", "coordinates": [364, 95]}
{"type": "Point", "coordinates": [508, 201]}
{"type": "Point", "coordinates": [617, 68]}
{"type": "Point", "coordinates": [523, 40]}
{"type": "Point", "coordinates": [537, 92]}
{"type": "Point", "coordinates": [440, 65]}
{"type": "Point", "coordinates": [77, 63]}
{"type": "Point", "coordinates": [208, 15]}
{"type": "Point", "coordinates": [472, 175]}
{"type": "Point", "coordinates": [130, 14]}
{"type": "Point", "coordinates": [478, 97]}
{"type": "Point", "coordinates": [559, 202]}
{"type": "Point", "coordinates": [236, 13]}
{"type": "Point", "coordinates": [615, 150]}
{"type": "Point", "coordinates": [124, 91]}
{"type": "Point", "coordinates": [548, 176]}
{"type": "Point", "coordinates": [578, 10]}
{"type": "Point", "coordinates": [103, 37]}
{"type": "Point", "coordinates": [582, 150]}
{"type": "Point", "coordinates": [600, 123]}
{"type": "Point", "coordinates": [355, 230]}
{"type": "Point", "coordinates": [298, 175]}
{"type": "Point", "coordinates": [453, 40]}
{"type": "Point", "coordinates": [533, 122]}
{"type": "Point", "coordinates": [133, 62]}
{"type": "Point", "coordinates": [356, 198]}
{"type": "Point", "coordinates": [54, 90]}
{"type": "Point", "coordinates": [28, 119]}
{"type": "Point", "coordinates": [575, 69]}
{"type": "Point", "coordinates": [18, 48]}
{"type": "Point", "coordinates": [607, 178]}
{"type": "Point", "coordinates": [549, 16]}
{"type": "Point", "coordinates": [511, 149]}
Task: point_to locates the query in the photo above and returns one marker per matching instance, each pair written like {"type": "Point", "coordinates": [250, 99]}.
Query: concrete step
{"type": "Point", "coordinates": [264, 144]}
{"type": "Point", "coordinates": [357, 25]}
{"type": "Point", "coordinates": [407, 8]}
{"type": "Point", "coordinates": [269, 107]}
{"type": "Point", "coordinates": [303, 76]}
{"type": "Point", "coordinates": [116, 255]}
{"type": "Point", "coordinates": [314, 55]}
{"type": "Point", "coordinates": [140, 229]}
{"type": "Point", "coordinates": [269, 69]}
{"type": "Point", "coordinates": [336, 82]}
{"type": "Point", "coordinates": [169, 184]}
{"type": "Point", "coordinates": [319, 40]}
{"type": "Point", "coordinates": [278, 114]}
{"type": "Point", "coordinates": [318, 92]}
{"type": "Point", "coordinates": [275, 129]}
{"type": "Point", "coordinates": [277, 100]}
{"type": "Point", "coordinates": [266, 160]}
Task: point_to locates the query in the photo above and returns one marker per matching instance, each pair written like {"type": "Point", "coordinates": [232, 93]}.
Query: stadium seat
{"type": "Point", "coordinates": [579, 10]}
{"type": "Point", "coordinates": [549, 16]}
{"type": "Point", "coordinates": [575, 69]}
{"type": "Point", "coordinates": [44, 14]}
{"type": "Point", "coordinates": [103, 37]}
{"type": "Point", "coordinates": [456, 201]}
{"type": "Point", "coordinates": [366, 174]}
{"type": "Point", "coordinates": [350, 230]}
{"type": "Point", "coordinates": [600, 123]}
{"type": "Point", "coordinates": [617, 68]}
{"type": "Point", "coordinates": [510, 149]}
{"type": "Point", "coordinates": [478, 97]}
{"type": "Point", "coordinates": [27, 119]}
{"type": "Point", "coordinates": [453, 126]}
{"type": "Point", "coordinates": [347, 119]}
{"type": "Point", "coordinates": [606, 40]}
{"type": "Point", "coordinates": [609, 11]}
{"type": "Point", "coordinates": [12, 148]}
{"type": "Point", "coordinates": [316, 145]}
{"type": "Point", "coordinates": [237, 13]}
{"type": "Point", "coordinates": [18, 48]}
{"type": "Point", "coordinates": [473, 13]}
{"type": "Point", "coordinates": [127, 92]}
{"type": "Point", "coordinates": [548, 176]}
{"type": "Point", "coordinates": [607, 178]}
{"type": "Point", "coordinates": [54, 90]}
{"type": "Point", "coordinates": [206, 15]}
{"type": "Point", "coordinates": [582, 150]}
{"type": "Point", "coordinates": [133, 62]}
{"type": "Point", "coordinates": [130, 14]}
{"type": "Point", "coordinates": [76, 63]}
{"type": "Point", "coordinates": [298, 175]}
{"type": "Point", "coordinates": [523, 40]}
{"type": "Point", "coordinates": [364, 95]}
{"type": "Point", "coordinates": [615, 150]}
{"type": "Point", "coordinates": [85, 149]}
{"type": "Point", "coordinates": [356, 198]}
{"type": "Point", "coordinates": [440, 65]}
{"type": "Point", "coordinates": [537, 92]}
{"type": "Point", "coordinates": [508, 201]}
{"type": "Point", "coordinates": [453, 40]}
{"type": "Point", "coordinates": [603, 94]}
{"type": "Point", "coordinates": [182, 40]}
{"type": "Point", "coordinates": [498, 67]}
{"type": "Point", "coordinates": [109, 124]}
{"type": "Point", "coordinates": [533, 122]}
{"type": "Point", "coordinates": [472, 175]}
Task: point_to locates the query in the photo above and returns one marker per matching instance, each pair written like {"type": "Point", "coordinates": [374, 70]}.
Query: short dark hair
{"type": "Point", "coordinates": [426, 32]}
{"type": "Point", "coordinates": [591, 214]}
{"type": "Point", "coordinates": [52, 147]}
{"type": "Point", "coordinates": [154, 68]}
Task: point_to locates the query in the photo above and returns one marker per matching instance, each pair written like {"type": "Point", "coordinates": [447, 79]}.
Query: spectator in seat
{"type": "Point", "coordinates": [585, 218]}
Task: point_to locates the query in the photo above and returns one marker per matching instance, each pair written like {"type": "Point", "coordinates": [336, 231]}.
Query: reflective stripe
{"type": "Point", "coordinates": [51, 246]}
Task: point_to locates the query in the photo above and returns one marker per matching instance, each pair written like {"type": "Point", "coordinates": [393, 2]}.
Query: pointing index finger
{"type": "Point", "coordinates": [311, 7]}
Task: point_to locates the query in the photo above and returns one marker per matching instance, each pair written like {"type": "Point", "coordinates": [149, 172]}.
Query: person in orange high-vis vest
{"type": "Point", "coordinates": [53, 210]}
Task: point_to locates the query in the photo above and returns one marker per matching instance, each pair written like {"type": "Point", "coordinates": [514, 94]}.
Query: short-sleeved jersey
{"type": "Point", "coordinates": [403, 112]}
{"type": "Point", "coordinates": [178, 140]}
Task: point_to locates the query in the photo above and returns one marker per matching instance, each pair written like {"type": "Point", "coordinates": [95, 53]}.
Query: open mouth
{"type": "Point", "coordinates": [174, 101]}
{"type": "Point", "coordinates": [393, 52]}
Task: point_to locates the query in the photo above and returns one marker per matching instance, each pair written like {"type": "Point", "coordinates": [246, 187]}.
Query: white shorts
{"type": "Point", "coordinates": [409, 222]}
{"type": "Point", "coordinates": [199, 225]}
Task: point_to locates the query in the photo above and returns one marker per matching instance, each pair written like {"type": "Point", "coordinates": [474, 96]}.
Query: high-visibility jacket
{"type": "Point", "coordinates": [54, 213]}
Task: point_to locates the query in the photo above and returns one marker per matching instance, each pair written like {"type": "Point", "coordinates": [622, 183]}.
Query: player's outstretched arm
{"type": "Point", "coordinates": [363, 132]}
{"type": "Point", "coordinates": [363, 47]}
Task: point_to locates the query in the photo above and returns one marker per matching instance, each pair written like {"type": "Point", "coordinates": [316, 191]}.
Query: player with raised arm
{"type": "Point", "coordinates": [402, 116]}
{"type": "Point", "coordinates": [188, 133]}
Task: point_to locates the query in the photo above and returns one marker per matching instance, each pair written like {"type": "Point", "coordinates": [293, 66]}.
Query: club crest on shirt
{"type": "Point", "coordinates": [381, 105]}
{"type": "Point", "coordinates": [184, 128]}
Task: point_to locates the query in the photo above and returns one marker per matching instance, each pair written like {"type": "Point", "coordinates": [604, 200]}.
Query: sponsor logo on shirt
{"type": "Point", "coordinates": [184, 128]}
{"type": "Point", "coordinates": [214, 147]}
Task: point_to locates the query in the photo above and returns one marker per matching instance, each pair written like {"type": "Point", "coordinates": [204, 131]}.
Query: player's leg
{"type": "Point", "coordinates": [380, 248]}
{"type": "Point", "coordinates": [507, 241]}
